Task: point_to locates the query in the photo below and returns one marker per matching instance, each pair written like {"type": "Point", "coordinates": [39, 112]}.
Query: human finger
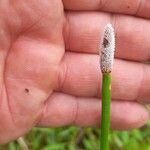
{"type": "Point", "coordinates": [84, 30]}
{"type": "Point", "coordinates": [136, 7]}
{"type": "Point", "coordinates": [61, 110]}
{"type": "Point", "coordinates": [80, 75]}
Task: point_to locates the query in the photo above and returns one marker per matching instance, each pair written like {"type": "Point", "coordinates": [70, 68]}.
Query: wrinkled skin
{"type": "Point", "coordinates": [45, 85]}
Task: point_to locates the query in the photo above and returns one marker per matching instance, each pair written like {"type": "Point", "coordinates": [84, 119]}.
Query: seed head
{"type": "Point", "coordinates": [107, 49]}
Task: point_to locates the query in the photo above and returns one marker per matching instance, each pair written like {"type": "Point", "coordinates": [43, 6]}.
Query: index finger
{"type": "Point", "coordinates": [137, 7]}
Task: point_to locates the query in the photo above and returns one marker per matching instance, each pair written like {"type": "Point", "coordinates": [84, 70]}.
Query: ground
{"type": "Point", "coordinates": [72, 138]}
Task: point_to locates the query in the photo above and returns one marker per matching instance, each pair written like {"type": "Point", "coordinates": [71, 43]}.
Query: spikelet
{"type": "Point", "coordinates": [107, 49]}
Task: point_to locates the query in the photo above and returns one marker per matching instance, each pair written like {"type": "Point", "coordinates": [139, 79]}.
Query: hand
{"type": "Point", "coordinates": [49, 64]}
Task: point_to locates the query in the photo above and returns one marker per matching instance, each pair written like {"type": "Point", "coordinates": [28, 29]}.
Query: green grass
{"type": "Point", "coordinates": [71, 138]}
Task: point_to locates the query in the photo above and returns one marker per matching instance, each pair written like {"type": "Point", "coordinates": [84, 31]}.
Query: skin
{"type": "Point", "coordinates": [49, 64]}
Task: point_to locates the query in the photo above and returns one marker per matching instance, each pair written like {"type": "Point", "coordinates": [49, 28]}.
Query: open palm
{"type": "Point", "coordinates": [49, 64]}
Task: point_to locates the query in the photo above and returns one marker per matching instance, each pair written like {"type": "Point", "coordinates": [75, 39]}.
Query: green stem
{"type": "Point", "coordinates": [105, 119]}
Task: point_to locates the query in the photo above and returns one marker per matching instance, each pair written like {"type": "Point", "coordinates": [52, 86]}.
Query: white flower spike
{"type": "Point", "coordinates": [107, 49]}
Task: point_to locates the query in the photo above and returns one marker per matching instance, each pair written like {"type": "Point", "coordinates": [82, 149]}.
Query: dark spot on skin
{"type": "Point", "coordinates": [26, 90]}
{"type": "Point", "coordinates": [105, 42]}
{"type": "Point", "coordinates": [128, 6]}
